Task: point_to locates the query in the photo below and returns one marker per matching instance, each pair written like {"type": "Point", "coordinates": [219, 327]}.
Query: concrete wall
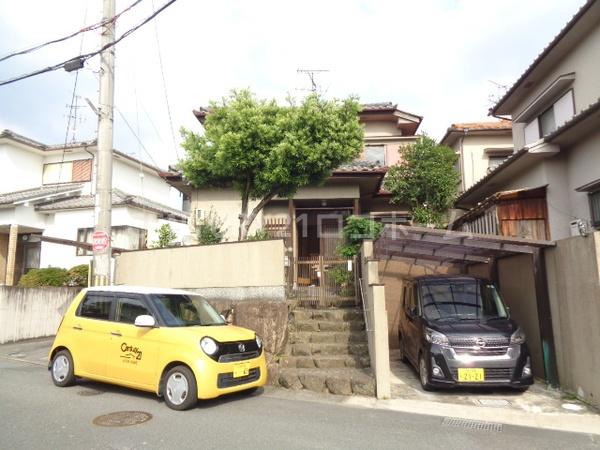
{"type": "Point", "coordinates": [373, 297]}
{"type": "Point", "coordinates": [27, 313]}
{"type": "Point", "coordinates": [391, 273]}
{"type": "Point", "coordinates": [517, 287]}
{"type": "Point", "coordinates": [574, 287]}
{"type": "Point", "coordinates": [237, 270]}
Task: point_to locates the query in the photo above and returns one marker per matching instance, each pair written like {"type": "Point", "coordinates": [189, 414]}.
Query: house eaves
{"type": "Point", "coordinates": [583, 21]}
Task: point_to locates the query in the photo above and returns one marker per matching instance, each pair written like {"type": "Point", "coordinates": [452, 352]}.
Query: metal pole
{"type": "Point", "coordinates": [103, 200]}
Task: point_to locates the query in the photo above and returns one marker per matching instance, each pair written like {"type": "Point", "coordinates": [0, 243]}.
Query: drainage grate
{"type": "Point", "coordinates": [122, 419]}
{"type": "Point", "coordinates": [493, 402]}
{"type": "Point", "coordinates": [89, 392]}
{"type": "Point", "coordinates": [471, 424]}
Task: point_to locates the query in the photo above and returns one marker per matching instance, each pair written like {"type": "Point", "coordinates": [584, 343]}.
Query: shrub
{"type": "Point", "coordinates": [78, 275]}
{"type": "Point", "coordinates": [356, 230]}
{"type": "Point", "coordinates": [210, 229]}
{"type": "Point", "coordinates": [166, 236]}
{"type": "Point", "coordinates": [50, 276]}
{"type": "Point", "coordinates": [260, 235]}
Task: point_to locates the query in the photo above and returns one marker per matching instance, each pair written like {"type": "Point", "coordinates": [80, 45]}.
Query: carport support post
{"type": "Point", "coordinates": [545, 317]}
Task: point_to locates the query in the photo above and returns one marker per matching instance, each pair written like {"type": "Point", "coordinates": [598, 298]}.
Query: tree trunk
{"type": "Point", "coordinates": [245, 224]}
{"type": "Point", "coordinates": [244, 214]}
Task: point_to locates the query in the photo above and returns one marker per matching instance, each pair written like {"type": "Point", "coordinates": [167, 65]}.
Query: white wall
{"type": "Point", "coordinates": [475, 161]}
{"type": "Point", "coordinates": [19, 169]}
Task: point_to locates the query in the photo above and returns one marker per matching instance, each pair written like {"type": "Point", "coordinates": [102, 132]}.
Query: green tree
{"type": "Point", "coordinates": [209, 229]}
{"type": "Point", "coordinates": [166, 236]}
{"type": "Point", "coordinates": [262, 149]}
{"type": "Point", "coordinates": [426, 180]}
{"type": "Point", "coordinates": [356, 230]}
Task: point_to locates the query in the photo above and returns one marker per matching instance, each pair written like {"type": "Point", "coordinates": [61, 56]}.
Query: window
{"type": "Point", "coordinates": [126, 237]}
{"type": "Point", "coordinates": [595, 208]}
{"type": "Point", "coordinates": [495, 161]}
{"type": "Point", "coordinates": [375, 154]}
{"type": "Point", "coordinates": [552, 118]}
{"type": "Point", "coordinates": [129, 308]}
{"type": "Point", "coordinates": [96, 307]}
{"type": "Point", "coordinates": [67, 172]}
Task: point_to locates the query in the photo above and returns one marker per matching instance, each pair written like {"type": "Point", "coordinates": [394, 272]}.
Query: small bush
{"type": "Point", "coordinates": [260, 235]}
{"type": "Point", "coordinates": [51, 276]}
{"type": "Point", "coordinates": [78, 275]}
{"type": "Point", "coordinates": [356, 230]}
{"type": "Point", "coordinates": [210, 229]}
{"type": "Point", "coordinates": [166, 236]}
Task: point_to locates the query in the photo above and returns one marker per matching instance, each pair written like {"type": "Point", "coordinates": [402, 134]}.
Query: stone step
{"type": "Point", "coordinates": [326, 325]}
{"type": "Point", "coordinates": [336, 315]}
{"type": "Point", "coordinates": [329, 349]}
{"type": "Point", "coordinates": [324, 361]}
{"type": "Point", "coordinates": [335, 381]}
{"type": "Point", "coordinates": [331, 337]}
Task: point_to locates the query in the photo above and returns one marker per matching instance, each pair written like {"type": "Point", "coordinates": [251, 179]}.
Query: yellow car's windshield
{"type": "Point", "coordinates": [186, 310]}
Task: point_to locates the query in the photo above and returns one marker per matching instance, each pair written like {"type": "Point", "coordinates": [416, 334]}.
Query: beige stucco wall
{"type": "Point", "coordinates": [516, 284]}
{"type": "Point", "coordinates": [475, 161]}
{"type": "Point", "coordinates": [3, 256]}
{"type": "Point", "coordinates": [258, 264]}
{"type": "Point", "coordinates": [574, 287]}
{"type": "Point", "coordinates": [391, 273]}
{"type": "Point", "coordinates": [583, 60]}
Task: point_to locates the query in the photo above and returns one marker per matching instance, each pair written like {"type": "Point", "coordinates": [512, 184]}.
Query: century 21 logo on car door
{"type": "Point", "coordinates": [130, 353]}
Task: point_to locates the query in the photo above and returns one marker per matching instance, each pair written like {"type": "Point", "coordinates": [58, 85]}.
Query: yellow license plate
{"type": "Point", "coordinates": [471, 375]}
{"type": "Point", "coordinates": [241, 370]}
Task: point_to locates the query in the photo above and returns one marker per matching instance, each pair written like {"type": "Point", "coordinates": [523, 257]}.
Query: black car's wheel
{"type": "Point", "coordinates": [424, 376]}
{"type": "Point", "coordinates": [62, 370]}
{"type": "Point", "coordinates": [401, 352]}
{"type": "Point", "coordinates": [179, 388]}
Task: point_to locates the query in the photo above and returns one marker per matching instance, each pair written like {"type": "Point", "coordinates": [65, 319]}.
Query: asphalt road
{"type": "Point", "coordinates": [36, 414]}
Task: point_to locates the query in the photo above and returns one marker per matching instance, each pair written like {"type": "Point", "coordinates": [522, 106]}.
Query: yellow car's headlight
{"type": "Point", "coordinates": [209, 346]}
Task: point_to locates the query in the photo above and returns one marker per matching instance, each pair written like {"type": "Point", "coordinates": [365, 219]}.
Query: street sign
{"type": "Point", "coordinates": [99, 241]}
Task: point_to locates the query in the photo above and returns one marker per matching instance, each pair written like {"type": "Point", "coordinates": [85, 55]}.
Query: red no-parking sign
{"type": "Point", "coordinates": [99, 241]}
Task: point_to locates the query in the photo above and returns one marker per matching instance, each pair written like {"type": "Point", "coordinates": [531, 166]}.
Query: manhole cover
{"type": "Point", "coordinates": [471, 424]}
{"type": "Point", "coordinates": [492, 402]}
{"type": "Point", "coordinates": [89, 392]}
{"type": "Point", "coordinates": [122, 419]}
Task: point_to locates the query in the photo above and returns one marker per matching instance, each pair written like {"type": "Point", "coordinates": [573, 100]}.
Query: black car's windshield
{"type": "Point", "coordinates": [186, 310]}
{"type": "Point", "coordinates": [450, 300]}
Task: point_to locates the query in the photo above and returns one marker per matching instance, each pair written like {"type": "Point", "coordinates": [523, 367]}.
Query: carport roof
{"type": "Point", "coordinates": [450, 247]}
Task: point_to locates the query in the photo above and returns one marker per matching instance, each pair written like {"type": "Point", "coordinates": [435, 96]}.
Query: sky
{"type": "Point", "coordinates": [444, 60]}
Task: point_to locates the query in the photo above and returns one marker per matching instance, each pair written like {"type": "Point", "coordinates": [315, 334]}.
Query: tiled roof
{"type": "Point", "coordinates": [42, 191]}
{"type": "Point", "coordinates": [359, 166]}
{"type": "Point", "coordinates": [119, 198]}
{"type": "Point", "coordinates": [482, 126]}
{"type": "Point", "coordinates": [381, 106]}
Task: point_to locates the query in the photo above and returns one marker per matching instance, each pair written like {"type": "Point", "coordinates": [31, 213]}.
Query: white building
{"type": "Point", "coordinates": [47, 204]}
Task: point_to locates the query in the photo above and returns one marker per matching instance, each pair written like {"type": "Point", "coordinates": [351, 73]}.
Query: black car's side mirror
{"type": "Point", "coordinates": [413, 312]}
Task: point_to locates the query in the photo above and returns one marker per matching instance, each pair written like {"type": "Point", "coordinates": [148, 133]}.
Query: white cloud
{"type": "Point", "coordinates": [433, 58]}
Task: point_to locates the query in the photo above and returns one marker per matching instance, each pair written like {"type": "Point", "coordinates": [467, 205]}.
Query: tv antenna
{"type": "Point", "coordinates": [311, 73]}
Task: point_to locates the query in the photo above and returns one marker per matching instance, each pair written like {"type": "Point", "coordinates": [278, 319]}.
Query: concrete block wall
{"type": "Point", "coordinates": [27, 313]}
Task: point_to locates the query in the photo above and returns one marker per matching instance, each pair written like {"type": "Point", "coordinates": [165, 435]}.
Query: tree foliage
{"type": "Point", "coordinates": [262, 149]}
{"type": "Point", "coordinates": [56, 276]}
{"type": "Point", "coordinates": [166, 236]}
{"type": "Point", "coordinates": [426, 180]}
{"type": "Point", "coordinates": [209, 230]}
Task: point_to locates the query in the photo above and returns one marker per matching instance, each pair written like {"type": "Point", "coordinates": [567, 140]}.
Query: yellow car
{"type": "Point", "coordinates": [166, 341]}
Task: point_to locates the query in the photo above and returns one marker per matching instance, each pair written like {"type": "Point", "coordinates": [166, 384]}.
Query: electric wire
{"type": "Point", "coordinates": [137, 137]}
{"type": "Point", "coordinates": [87, 56]}
{"type": "Point", "coordinates": [162, 72]}
{"type": "Point", "coordinates": [72, 35]}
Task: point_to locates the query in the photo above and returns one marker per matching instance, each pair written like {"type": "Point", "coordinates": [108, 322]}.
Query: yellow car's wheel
{"type": "Point", "coordinates": [62, 369]}
{"type": "Point", "coordinates": [179, 388]}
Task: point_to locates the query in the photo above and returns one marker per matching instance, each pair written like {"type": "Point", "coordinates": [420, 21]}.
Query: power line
{"type": "Point", "coordinates": [72, 35]}
{"type": "Point", "coordinates": [136, 136]}
{"type": "Point", "coordinates": [79, 60]}
{"type": "Point", "coordinates": [162, 72]}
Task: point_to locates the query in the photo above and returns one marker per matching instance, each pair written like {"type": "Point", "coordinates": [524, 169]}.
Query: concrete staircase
{"type": "Point", "coordinates": [327, 351]}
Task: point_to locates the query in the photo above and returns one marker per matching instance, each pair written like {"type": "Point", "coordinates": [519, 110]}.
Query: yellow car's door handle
{"type": "Point", "coordinates": [77, 327]}
{"type": "Point", "coordinates": [115, 333]}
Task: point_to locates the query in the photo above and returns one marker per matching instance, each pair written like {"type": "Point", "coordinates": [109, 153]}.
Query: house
{"type": "Point", "coordinates": [480, 146]}
{"type": "Point", "coordinates": [47, 204]}
{"type": "Point", "coordinates": [318, 212]}
{"type": "Point", "coordinates": [550, 186]}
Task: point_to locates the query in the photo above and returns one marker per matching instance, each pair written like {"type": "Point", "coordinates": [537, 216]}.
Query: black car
{"type": "Point", "coordinates": [456, 330]}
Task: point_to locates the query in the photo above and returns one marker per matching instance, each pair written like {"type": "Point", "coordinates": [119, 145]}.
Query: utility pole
{"type": "Point", "coordinates": [103, 200]}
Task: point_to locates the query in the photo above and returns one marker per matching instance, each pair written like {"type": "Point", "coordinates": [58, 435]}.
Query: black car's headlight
{"type": "Point", "coordinates": [518, 337]}
{"type": "Point", "coordinates": [435, 337]}
{"type": "Point", "coordinates": [209, 346]}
